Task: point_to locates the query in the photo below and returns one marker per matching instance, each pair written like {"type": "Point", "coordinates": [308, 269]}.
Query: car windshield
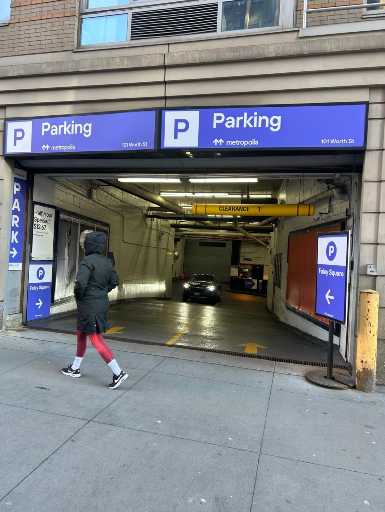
{"type": "Point", "coordinates": [202, 277]}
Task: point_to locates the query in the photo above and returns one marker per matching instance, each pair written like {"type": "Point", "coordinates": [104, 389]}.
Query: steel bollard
{"type": "Point", "coordinates": [366, 351]}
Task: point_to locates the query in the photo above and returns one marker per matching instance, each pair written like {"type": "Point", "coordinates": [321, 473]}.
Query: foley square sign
{"type": "Point", "coordinates": [39, 290]}
{"type": "Point", "coordinates": [336, 126]}
{"type": "Point", "coordinates": [115, 132]}
{"type": "Point", "coordinates": [275, 127]}
{"type": "Point", "coordinates": [332, 270]}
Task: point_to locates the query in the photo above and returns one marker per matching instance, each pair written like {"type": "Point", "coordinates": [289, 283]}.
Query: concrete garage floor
{"type": "Point", "coordinates": [240, 323]}
{"type": "Point", "coordinates": [189, 431]}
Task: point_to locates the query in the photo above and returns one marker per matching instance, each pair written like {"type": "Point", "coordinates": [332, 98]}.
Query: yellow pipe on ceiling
{"type": "Point", "coordinates": [255, 210]}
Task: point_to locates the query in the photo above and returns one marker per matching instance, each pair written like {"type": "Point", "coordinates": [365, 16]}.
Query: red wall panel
{"type": "Point", "coordinates": [301, 274]}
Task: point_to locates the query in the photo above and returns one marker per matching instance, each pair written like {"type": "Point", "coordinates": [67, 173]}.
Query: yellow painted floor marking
{"type": "Point", "coordinates": [174, 339]}
{"type": "Point", "coordinates": [115, 329]}
{"type": "Point", "coordinates": [252, 348]}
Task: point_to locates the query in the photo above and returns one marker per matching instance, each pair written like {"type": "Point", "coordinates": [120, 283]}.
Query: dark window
{"type": "Point", "coordinates": [247, 14]}
{"type": "Point", "coordinates": [212, 244]}
{"type": "Point", "coordinates": [69, 253]}
{"type": "Point", "coordinates": [375, 7]}
{"type": "Point", "coordinates": [203, 277]}
{"type": "Point", "coordinates": [278, 270]}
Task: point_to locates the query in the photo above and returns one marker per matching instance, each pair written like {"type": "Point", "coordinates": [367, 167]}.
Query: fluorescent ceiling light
{"type": "Point", "coordinates": [149, 180]}
{"type": "Point", "coordinates": [177, 194]}
{"type": "Point", "coordinates": [186, 207]}
{"type": "Point", "coordinates": [224, 180]}
{"type": "Point", "coordinates": [201, 194]}
{"type": "Point", "coordinates": [214, 195]}
{"type": "Point", "coordinates": [218, 195]}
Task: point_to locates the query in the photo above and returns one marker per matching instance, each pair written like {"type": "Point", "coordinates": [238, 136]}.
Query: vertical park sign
{"type": "Point", "coordinates": [18, 209]}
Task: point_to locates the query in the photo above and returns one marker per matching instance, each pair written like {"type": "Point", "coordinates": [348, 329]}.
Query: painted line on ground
{"type": "Point", "coordinates": [174, 339]}
{"type": "Point", "coordinates": [115, 329]}
{"type": "Point", "coordinates": [252, 348]}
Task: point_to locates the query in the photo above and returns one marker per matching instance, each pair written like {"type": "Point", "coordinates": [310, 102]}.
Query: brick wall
{"type": "Point", "coordinates": [328, 18]}
{"type": "Point", "coordinates": [39, 26]}
{"type": "Point", "coordinates": [42, 26]}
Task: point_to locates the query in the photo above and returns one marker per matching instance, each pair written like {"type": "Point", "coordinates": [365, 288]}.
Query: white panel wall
{"type": "Point", "coordinates": [254, 254]}
{"type": "Point", "coordinates": [6, 184]}
{"type": "Point", "coordinates": [143, 248]}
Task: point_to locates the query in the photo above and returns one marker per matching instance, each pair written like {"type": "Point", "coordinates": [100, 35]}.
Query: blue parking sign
{"type": "Point", "coordinates": [16, 246]}
{"type": "Point", "coordinates": [332, 275]}
{"type": "Point", "coordinates": [39, 290]}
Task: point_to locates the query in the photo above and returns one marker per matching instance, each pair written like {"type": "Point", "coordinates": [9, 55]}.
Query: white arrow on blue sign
{"type": "Point", "coordinates": [329, 297]}
{"type": "Point", "coordinates": [332, 275]}
{"type": "Point", "coordinates": [39, 290]}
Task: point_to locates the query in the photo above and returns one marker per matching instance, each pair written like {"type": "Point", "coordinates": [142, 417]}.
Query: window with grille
{"type": "Point", "coordinates": [106, 22]}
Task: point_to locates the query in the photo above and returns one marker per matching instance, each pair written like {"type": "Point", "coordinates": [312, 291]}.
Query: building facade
{"type": "Point", "coordinates": [66, 57]}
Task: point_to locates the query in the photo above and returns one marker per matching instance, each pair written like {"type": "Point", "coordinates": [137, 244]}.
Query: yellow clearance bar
{"type": "Point", "coordinates": [255, 210]}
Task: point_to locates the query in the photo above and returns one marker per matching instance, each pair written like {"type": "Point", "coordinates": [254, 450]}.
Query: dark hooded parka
{"type": "Point", "coordinates": [96, 277]}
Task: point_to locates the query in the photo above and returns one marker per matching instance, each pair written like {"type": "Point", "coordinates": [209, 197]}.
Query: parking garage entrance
{"type": "Point", "coordinates": [215, 246]}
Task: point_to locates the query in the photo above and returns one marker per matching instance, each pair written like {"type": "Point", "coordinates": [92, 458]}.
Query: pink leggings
{"type": "Point", "coordinates": [98, 342]}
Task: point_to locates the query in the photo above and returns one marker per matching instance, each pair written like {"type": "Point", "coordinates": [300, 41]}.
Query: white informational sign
{"type": "Point", "coordinates": [43, 233]}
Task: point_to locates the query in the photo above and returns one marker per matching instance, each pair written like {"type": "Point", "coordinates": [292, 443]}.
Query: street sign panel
{"type": "Point", "coordinates": [259, 127]}
{"type": "Point", "coordinates": [16, 247]}
{"type": "Point", "coordinates": [332, 273]}
{"type": "Point", "coordinates": [39, 291]}
{"type": "Point", "coordinates": [112, 132]}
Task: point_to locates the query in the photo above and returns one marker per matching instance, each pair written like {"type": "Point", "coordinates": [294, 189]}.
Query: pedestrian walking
{"type": "Point", "coordinates": [95, 279]}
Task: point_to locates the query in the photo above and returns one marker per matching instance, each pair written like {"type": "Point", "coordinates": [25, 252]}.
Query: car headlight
{"type": "Point", "coordinates": [211, 288]}
{"type": "Point", "coordinates": [186, 285]}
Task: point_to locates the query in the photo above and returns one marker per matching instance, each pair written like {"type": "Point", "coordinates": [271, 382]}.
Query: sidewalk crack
{"type": "Point", "coordinates": [263, 437]}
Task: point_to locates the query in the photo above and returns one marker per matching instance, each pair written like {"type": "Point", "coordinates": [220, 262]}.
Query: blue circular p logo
{"type": "Point", "coordinates": [331, 251]}
{"type": "Point", "coordinates": [40, 273]}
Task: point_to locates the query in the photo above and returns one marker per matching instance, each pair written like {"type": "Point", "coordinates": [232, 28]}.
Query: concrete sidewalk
{"type": "Point", "coordinates": [188, 431]}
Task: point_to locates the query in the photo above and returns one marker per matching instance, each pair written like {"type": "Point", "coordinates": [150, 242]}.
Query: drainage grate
{"type": "Point", "coordinates": [229, 353]}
